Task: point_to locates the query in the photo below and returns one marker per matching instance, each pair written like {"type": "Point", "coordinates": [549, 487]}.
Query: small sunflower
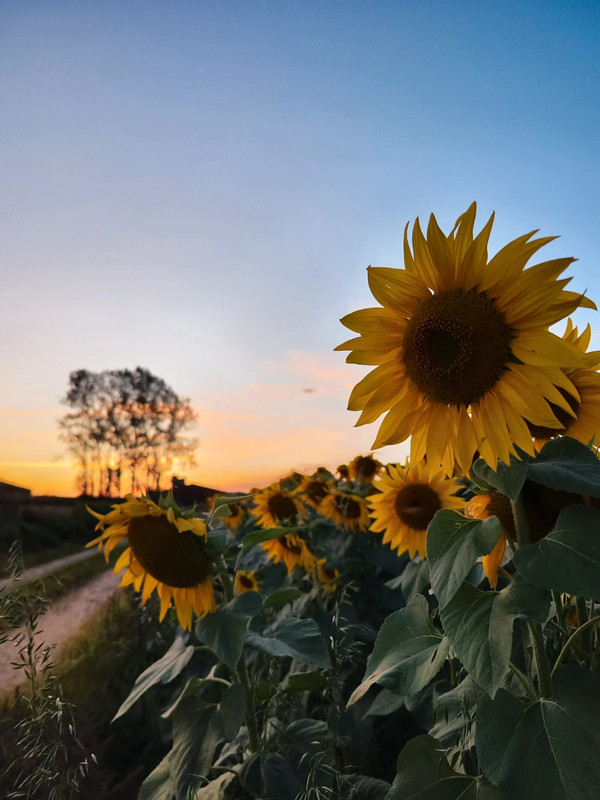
{"type": "Point", "coordinates": [585, 424]}
{"type": "Point", "coordinates": [246, 582]}
{"type": "Point", "coordinates": [462, 352]}
{"type": "Point", "coordinates": [292, 550]}
{"type": "Point", "coordinates": [167, 552]}
{"type": "Point", "coordinates": [236, 518]}
{"type": "Point", "coordinates": [408, 500]}
{"type": "Point", "coordinates": [364, 468]}
{"type": "Point", "coordinates": [493, 504]}
{"type": "Point", "coordinates": [346, 509]}
{"type": "Point", "coordinates": [328, 579]}
{"type": "Point", "coordinates": [276, 507]}
{"type": "Point", "coordinates": [313, 490]}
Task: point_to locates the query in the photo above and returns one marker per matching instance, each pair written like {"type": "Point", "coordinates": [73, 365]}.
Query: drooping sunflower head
{"type": "Point", "coordinates": [346, 509]}
{"type": "Point", "coordinates": [582, 421]}
{"type": "Point", "coordinates": [461, 346]}
{"type": "Point", "coordinates": [290, 549]}
{"type": "Point", "coordinates": [407, 501]}
{"type": "Point", "coordinates": [246, 582]}
{"type": "Point", "coordinates": [167, 552]}
{"type": "Point", "coordinates": [364, 468]}
{"type": "Point", "coordinates": [276, 508]}
{"type": "Point", "coordinates": [330, 580]}
{"type": "Point", "coordinates": [313, 489]}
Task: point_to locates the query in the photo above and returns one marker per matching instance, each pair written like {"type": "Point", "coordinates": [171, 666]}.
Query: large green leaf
{"type": "Point", "coordinates": [162, 671]}
{"type": "Point", "coordinates": [225, 630]}
{"type": "Point", "coordinates": [158, 785]}
{"type": "Point", "coordinates": [479, 626]}
{"type": "Point", "coordinates": [298, 638]}
{"type": "Point", "coordinates": [281, 781]}
{"type": "Point", "coordinates": [408, 652]}
{"type": "Point", "coordinates": [506, 478]}
{"type": "Point", "coordinates": [567, 465]}
{"type": "Point", "coordinates": [548, 750]}
{"type": "Point", "coordinates": [423, 773]}
{"type": "Point", "coordinates": [453, 546]}
{"type": "Point", "coordinates": [198, 729]}
{"type": "Point", "coordinates": [215, 790]}
{"type": "Point", "coordinates": [568, 559]}
{"type": "Point", "coordinates": [454, 714]}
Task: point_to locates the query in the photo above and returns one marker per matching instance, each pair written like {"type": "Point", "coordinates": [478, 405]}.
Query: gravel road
{"type": "Point", "coordinates": [61, 622]}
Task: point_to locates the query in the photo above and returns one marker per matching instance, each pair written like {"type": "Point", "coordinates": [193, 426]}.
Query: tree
{"type": "Point", "coordinates": [125, 429]}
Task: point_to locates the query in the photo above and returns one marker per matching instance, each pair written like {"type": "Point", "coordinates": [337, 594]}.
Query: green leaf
{"type": "Point", "coordinates": [198, 729]}
{"type": "Point", "coordinates": [281, 782]}
{"type": "Point", "coordinates": [454, 715]}
{"type": "Point", "coordinates": [479, 626]}
{"type": "Point", "coordinates": [547, 749]}
{"type": "Point", "coordinates": [423, 773]}
{"type": "Point", "coordinates": [158, 785]}
{"type": "Point", "coordinates": [453, 546]}
{"type": "Point", "coordinates": [215, 790]}
{"type": "Point", "coordinates": [225, 630]}
{"type": "Point", "coordinates": [385, 703]}
{"type": "Point", "coordinates": [361, 787]}
{"type": "Point", "coordinates": [279, 598]}
{"type": "Point", "coordinates": [225, 499]}
{"type": "Point", "coordinates": [567, 465]}
{"type": "Point", "coordinates": [507, 478]}
{"type": "Point", "coordinates": [162, 671]}
{"type": "Point", "coordinates": [308, 731]}
{"type": "Point", "coordinates": [304, 681]}
{"type": "Point", "coordinates": [298, 638]}
{"type": "Point", "coordinates": [408, 652]}
{"type": "Point", "coordinates": [260, 535]}
{"type": "Point", "coordinates": [568, 559]}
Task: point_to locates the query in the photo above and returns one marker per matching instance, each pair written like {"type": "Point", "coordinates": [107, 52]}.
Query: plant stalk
{"type": "Point", "coordinates": [583, 628]}
{"type": "Point", "coordinates": [541, 660]}
{"type": "Point", "coordinates": [521, 523]}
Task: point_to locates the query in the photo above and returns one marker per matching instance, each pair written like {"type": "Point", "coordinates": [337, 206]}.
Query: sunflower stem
{"type": "Point", "coordinates": [521, 523]}
{"type": "Point", "coordinates": [251, 723]}
{"type": "Point", "coordinates": [582, 618]}
{"type": "Point", "coordinates": [541, 659]}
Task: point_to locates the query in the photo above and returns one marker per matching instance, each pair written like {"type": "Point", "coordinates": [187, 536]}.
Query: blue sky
{"type": "Point", "coordinates": [197, 188]}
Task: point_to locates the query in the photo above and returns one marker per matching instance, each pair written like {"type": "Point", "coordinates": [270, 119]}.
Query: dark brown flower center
{"type": "Point", "coordinates": [288, 544]}
{"type": "Point", "coordinates": [281, 508]}
{"type": "Point", "coordinates": [366, 466]}
{"type": "Point", "coordinates": [316, 490]}
{"type": "Point", "coordinates": [456, 346]}
{"type": "Point", "coordinates": [346, 506]}
{"type": "Point", "coordinates": [246, 582]}
{"type": "Point", "coordinates": [416, 505]}
{"type": "Point", "coordinates": [173, 557]}
{"type": "Point", "coordinates": [343, 470]}
{"type": "Point", "coordinates": [540, 432]}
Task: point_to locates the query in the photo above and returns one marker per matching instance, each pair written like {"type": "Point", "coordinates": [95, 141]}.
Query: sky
{"type": "Point", "coordinates": [197, 188]}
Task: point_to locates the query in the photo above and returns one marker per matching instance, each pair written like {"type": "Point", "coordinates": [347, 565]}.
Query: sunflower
{"type": "Point", "coordinates": [328, 579]}
{"type": "Point", "coordinates": [493, 504]}
{"type": "Point", "coordinates": [246, 582]}
{"type": "Point", "coordinates": [236, 518]}
{"type": "Point", "coordinates": [364, 468]}
{"type": "Point", "coordinates": [346, 510]}
{"type": "Point", "coordinates": [167, 552]}
{"type": "Point", "coordinates": [276, 507]}
{"type": "Point", "coordinates": [585, 425]}
{"type": "Point", "coordinates": [462, 352]}
{"type": "Point", "coordinates": [407, 501]}
{"type": "Point", "coordinates": [313, 489]}
{"type": "Point", "coordinates": [290, 549]}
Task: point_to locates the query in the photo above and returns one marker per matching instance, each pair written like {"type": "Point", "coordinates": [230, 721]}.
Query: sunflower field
{"type": "Point", "coordinates": [418, 631]}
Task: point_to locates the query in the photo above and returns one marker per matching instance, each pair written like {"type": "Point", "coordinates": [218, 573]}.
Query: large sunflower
{"type": "Point", "coordinates": [276, 507]}
{"type": "Point", "coordinates": [290, 549]}
{"type": "Point", "coordinates": [461, 346]}
{"type": "Point", "coordinates": [167, 553]}
{"type": "Point", "coordinates": [585, 425]}
{"type": "Point", "coordinates": [407, 501]}
{"type": "Point", "coordinates": [346, 509]}
{"type": "Point", "coordinates": [313, 489]}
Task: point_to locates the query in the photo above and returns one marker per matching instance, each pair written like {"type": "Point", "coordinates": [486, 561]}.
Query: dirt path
{"type": "Point", "coordinates": [50, 566]}
{"type": "Point", "coordinates": [61, 622]}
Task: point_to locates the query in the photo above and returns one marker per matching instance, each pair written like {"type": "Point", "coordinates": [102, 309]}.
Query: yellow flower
{"type": "Point", "coordinates": [328, 579]}
{"type": "Point", "coordinates": [585, 425]}
{"type": "Point", "coordinates": [313, 490]}
{"type": "Point", "coordinates": [236, 518]}
{"type": "Point", "coordinates": [166, 553]}
{"type": "Point", "coordinates": [346, 509]}
{"type": "Point", "coordinates": [363, 468]}
{"type": "Point", "coordinates": [276, 507]}
{"type": "Point", "coordinates": [292, 550]}
{"type": "Point", "coordinates": [461, 346]}
{"type": "Point", "coordinates": [493, 504]}
{"type": "Point", "coordinates": [407, 501]}
{"type": "Point", "coordinates": [246, 582]}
